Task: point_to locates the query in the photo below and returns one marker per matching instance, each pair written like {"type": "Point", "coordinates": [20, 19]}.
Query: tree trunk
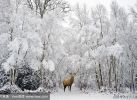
{"type": "Point", "coordinates": [42, 81]}
{"type": "Point", "coordinates": [97, 79]}
{"type": "Point", "coordinates": [116, 82]}
{"type": "Point", "coordinates": [132, 75]}
{"type": "Point", "coordinates": [109, 79]}
{"type": "Point", "coordinates": [100, 74]}
{"type": "Point", "coordinates": [11, 74]}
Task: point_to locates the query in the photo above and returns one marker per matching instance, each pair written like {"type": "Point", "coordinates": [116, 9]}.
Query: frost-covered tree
{"type": "Point", "coordinates": [42, 41]}
{"type": "Point", "coordinates": [3, 77]}
{"type": "Point", "coordinates": [5, 29]}
{"type": "Point", "coordinates": [4, 36]}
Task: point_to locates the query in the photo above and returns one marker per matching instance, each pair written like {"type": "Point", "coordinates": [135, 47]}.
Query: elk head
{"type": "Point", "coordinates": [68, 82]}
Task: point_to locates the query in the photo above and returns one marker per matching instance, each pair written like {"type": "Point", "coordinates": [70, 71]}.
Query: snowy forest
{"type": "Point", "coordinates": [43, 42]}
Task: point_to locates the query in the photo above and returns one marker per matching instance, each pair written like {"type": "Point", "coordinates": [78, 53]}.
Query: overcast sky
{"type": "Point", "coordinates": [91, 3]}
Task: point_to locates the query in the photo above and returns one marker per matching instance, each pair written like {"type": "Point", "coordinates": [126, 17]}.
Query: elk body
{"type": "Point", "coordinates": [68, 82]}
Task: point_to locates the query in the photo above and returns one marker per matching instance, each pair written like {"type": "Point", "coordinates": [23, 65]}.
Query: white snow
{"type": "Point", "coordinates": [75, 94]}
{"type": "Point", "coordinates": [12, 88]}
{"type": "Point", "coordinates": [115, 50]}
{"type": "Point", "coordinates": [49, 65]}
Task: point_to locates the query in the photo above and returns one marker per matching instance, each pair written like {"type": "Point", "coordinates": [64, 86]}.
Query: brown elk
{"type": "Point", "coordinates": [68, 82]}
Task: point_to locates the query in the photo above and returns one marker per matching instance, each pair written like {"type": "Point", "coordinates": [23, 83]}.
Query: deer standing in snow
{"type": "Point", "coordinates": [68, 82]}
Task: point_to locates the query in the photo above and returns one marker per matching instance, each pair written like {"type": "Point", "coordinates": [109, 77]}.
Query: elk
{"type": "Point", "coordinates": [68, 82]}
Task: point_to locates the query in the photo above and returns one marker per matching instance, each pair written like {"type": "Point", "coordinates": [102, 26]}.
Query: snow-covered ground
{"type": "Point", "coordinates": [75, 94]}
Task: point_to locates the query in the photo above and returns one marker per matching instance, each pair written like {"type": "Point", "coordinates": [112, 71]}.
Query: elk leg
{"type": "Point", "coordinates": [64, 88]}
{"type": "Point", "coordinates": [70, 87]}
